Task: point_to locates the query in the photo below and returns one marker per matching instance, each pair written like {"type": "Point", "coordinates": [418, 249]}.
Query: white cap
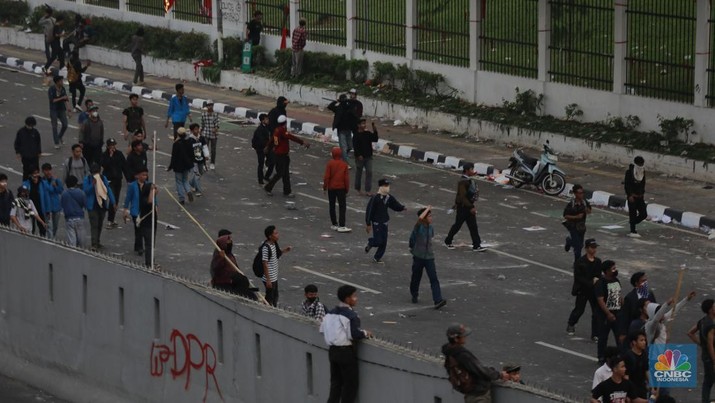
{"type": "Point", "coordinates": [353, 91]}
{"type": "Point", "coordinates": [282, 119]}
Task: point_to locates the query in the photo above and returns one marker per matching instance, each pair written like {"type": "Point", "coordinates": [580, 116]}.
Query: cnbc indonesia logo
{"type": "Point", "coordinates": [672, 366]}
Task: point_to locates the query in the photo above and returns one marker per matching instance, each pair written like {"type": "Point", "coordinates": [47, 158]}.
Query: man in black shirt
{"type": "Point", "coordinates": [636, 360]}
{"type": "Point", "coordinates": [136, 160]}
{"type": "Point", "coordinates": [586, 271]}
{"type": "Point", "coordinates": [616, 388]}
{"type": "Point", "coordinates": [254, 28]}
{"type": "Point", "coordinates": [113, 163]}
{"type": "Point", "coordinates": [608, 297]}
{"type": "Point", "coordinates": [133, 117]}
{"type": "Point", "coordinates": [362, 143]}
{"type": "Point", "coordinates": [28, 146]}
{"type": "Point", "coordinates": [575, 221]}
{"type": "Point", "coordinates": [634, 184]}
{"type": "Point", "coordinates": [259, 142]}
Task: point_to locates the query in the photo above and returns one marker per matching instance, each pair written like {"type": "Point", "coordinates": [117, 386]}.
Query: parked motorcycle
{"type": "Point", "coordinates": [542, 172]}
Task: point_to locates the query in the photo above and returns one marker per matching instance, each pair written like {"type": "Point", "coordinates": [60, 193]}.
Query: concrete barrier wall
{"type": "Point", "coordinates": [92, 329]}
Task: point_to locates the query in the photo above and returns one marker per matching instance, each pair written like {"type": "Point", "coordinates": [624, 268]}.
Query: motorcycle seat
{"type": "Point", "coordinates": [528, 161]}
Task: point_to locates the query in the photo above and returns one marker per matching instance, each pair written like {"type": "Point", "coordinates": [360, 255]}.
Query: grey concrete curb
{"type": "Point", "coordinates": [598, 198]}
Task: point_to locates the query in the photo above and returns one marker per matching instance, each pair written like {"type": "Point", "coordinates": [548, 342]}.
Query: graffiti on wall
{"type": "Point", "coordinates": [183, 354]}
{"type": "Point", "coordinates": [231, 11]}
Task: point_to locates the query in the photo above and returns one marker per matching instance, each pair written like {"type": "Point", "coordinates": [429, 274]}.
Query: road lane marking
{"type": "Point", "coordinates": [161, 152]}
{"type": "Point", "coordinates": [420, 184]}
{"type": "Point", "coordinates": [20, 84]}
{"type": "Point", "coordinates": [11, 170]}
{"type": "Point", "coordinates": [337, 280]}
{"type": "Point", "coordinates": [567, 351]}
{"type": "Point", "coordinates": [38, 89]}
{"type": "Point", "coordinates": [4, 80]}
{"type": "Point", "coordinates": [540, 214]}
{"type": "Point", "coordinates": [307, 155]}
{"type": "Point", "coordinates": [448, 190]}
{"type": "Point", "coordinates": [523, 259]}
{"type": "Point", "coordinates": [115, 107]}
{"type": "Point", "coordinates": [154, 116]}
{"type": "Point", "coordinates": [507, 205]}
{"type": "Point", "coordinates": [50, 120]}
{"type": "Point", "coordinates": [603, 231]}
{"type": "Point", "coordinates": [320, 199]}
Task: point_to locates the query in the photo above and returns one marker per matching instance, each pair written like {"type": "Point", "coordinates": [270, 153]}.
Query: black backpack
{"type": "Point", "coordinates": [258, 259]}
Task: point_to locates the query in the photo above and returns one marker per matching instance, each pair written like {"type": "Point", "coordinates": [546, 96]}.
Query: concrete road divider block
{"type": "Point", "coordinates": [12, 61]}
{"type": "Point", "coordinates": [308, 128]}
{"type": "Point", "coordinates": [691, 220]}
{"type": "Point", "coordinates": [431, 156]}
{"type": "Point", "coordinates": [157, 94]}
{"type": "Point", "coordinates": [219, 107]}
{"type": "Point", "coordinates": [567, 190]}
{"type": "Point", "coordinates": [380, 145]}
{"type": "Point", "coordinates": [119, 86]}
{"type": "Point", "coordinates": [452, 162]}
{"type": "Point", "coordinates": [654, 210]}
{"type": "Point", "coordinates": [198, 103]}
{"type": "Point", "coordinates": [241, 112]}
{"type": "Point", "coordinates": [405, 151]}
{"type": "Point", "coordinates": [100, 81]}
{"type": "Point", "coordinates": [483, 169]}
{"type": "Point", "coordinates": [29, 66]}
{"type": "Point", "coordinates": [600, 198]}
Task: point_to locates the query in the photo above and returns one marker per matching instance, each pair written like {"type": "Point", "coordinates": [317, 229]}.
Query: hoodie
{"type": "Point", "coordinates": [336, 172]}
{"type": "Point", "coordinates": [27, 143]}
{"type": "Point", "coordinates": [632, 186]}
{"type": "Point", "coordinates": [221, 271]}
{"type": "Point", "coordinates": [483, 376]}
{"type": "Point", "coordinates": [280, 109]}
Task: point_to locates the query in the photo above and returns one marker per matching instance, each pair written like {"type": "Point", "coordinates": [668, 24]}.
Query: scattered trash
{"type": "Point", "coordinates": [534, 228]}
{"type": "Point", "coordinates": [398, 123]}
{"type": "Point", "coordinates": [290, 205]}
{"type": "Point", "coordinates": [326, 236]}
{"type": "Point", "coordinates": [501, 277]}
{"type": "Point", "coordinates": [450, 211]}
{"type": "Point", "coordinates": [302, 184]}
{"type": "Point", "coordinates": [666, 219]}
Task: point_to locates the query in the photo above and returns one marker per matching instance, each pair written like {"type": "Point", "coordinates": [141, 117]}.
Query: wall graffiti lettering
{"type": "Point", "coordinates": [184, 353]}
{"type": "Point", "coordinates": [231, 11]}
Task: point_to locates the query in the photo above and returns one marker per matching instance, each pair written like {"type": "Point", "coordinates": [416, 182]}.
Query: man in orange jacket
{"type": "Point", "coordinates": [336, 182]}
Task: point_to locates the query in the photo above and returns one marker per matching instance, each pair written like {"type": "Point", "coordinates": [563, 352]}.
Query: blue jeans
{"type": "Point", "coordinates": [182, 184]}
{"type": "Point", "coordinates": [56, 114]}
{"type": "Point", "coordinates": [576, 242]}
{"type": "Point", "coordinates": [365, 163]}
{"type": "Point", "coordinates": [378, 239]}
{"type": "Point", "coordinates": [344, 142]}
{"type": "Point", "coordinates": [417, 266]}
{"type": "Point", "coordinates": [53, 224]}
{"type": "Point", "coordinates": [74, 227]}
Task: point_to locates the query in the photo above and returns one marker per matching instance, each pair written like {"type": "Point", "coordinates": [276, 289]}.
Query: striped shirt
{"type": "Point", "coordinates": [272, 263]}
{"type": "Point", "coordinates": [209, 121]}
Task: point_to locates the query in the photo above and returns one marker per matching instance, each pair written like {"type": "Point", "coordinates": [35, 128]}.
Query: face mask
{"type": "Point", "coordinates": [311, 300]}
{"type": "Point", "coordinates": [643, 289]}
{"type": "Point", "coordinates": [95, 114]}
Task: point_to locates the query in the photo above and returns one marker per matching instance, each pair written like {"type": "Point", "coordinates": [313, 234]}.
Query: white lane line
{"type": "Point", "coordinates": [540, 214]}
{"type": "Point", "coordinates": [337, 280]}
{"type": "Point", "coordinates": [20, 85]}
{"type": "Point", "coordinates": [307, 155]}
{"type": "Point", "coordinates": [39, 89]}
{"type": "Point", "coordinates": [523, 259]}
{"type": "Point", "coordinates": [49, 120]}
{"type": "Point", "coordinates": [448, 190]}
{"type": "Point", "coordinates": [420, 184]}
{"type": "Point", "coordinates": [10, 170]}
{"type": "Point", "coordinates": [567, 351]}
{"type": "Point", "coordinates": [320, 199]}
{"type": "Point", "coordinates": [640, 241]}
{"type": "Point", "coordinates": [680, 251]}
{"type": "Point", "coordinates": [507, 205]}
{"type": "Point", "coordinates": [154, 116]}
{"type": "Point", "coordinates": [603, 231]}
{"type": "Point", "coordinates": [162, 153]}
{"type": "Point", "coordinates": [4, 80]}
{"type": "Point", "coordinates": [115, 107]}
{"type": "Point", "coordinates": [166, 224]}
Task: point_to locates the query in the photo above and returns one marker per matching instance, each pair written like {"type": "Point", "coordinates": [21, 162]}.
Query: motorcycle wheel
{"type": "Point", "coordinates": [553, 184]}
{"type": "Point", "coordinates": [515, 173]}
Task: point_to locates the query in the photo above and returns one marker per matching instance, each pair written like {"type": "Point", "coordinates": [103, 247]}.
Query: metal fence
{"type": "Point", "coordinates": [710, 96]}
{"type": "Point", "coordinates": [442, 31]}
{"type": "Point", "coordinates": [325, 21]}
{"type": "Point", "coordinates": [150, 7]}
{"type": "Point", "coordinates": [193, 10]}
{"type": "Point", "coordinates": [661, 39]}
{"type": "Point", "coordinates": [275, 14]}
{"type": "Point", "coordinates": [509, 37]}
{"type": "Point", "coordinates": [581, 48]}
{"type": "Point", "coordinates": [103, 3]}
{"type": "Point", "coordinates": [380, 26]}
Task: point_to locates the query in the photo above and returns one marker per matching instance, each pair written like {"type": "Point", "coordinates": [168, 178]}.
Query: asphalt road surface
{"type": "Point", "coordinates": [516, 296]}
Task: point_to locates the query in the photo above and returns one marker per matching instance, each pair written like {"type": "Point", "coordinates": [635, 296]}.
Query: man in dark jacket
{"type": "Point", "coordinates": [634, 184]}
{"type": "Point", "coordinates": [377, 217]}
{"type": "Point", "coordinates": [259, 142]}
{"type": "Point", "coordinates": [575, 214]}
{"type": "Point", "coordinates": [341, 330]}
{"type": "Point", "coordinates": [478, 389]}
{"type": "Point", "coordinates": [182, 162]}
{"type": "Point", "coordinates": [631, 310]}
{"type": "Point", "coordinates": [224, 276]}
{"type": "Point", "coordinates": [28, 146]}
{"type": "Point", "coordinates": [91, 136]}
{"type": "Point", "coordinates": [467, 195]}
{"type": "Point", "coordinates": [113, 163]}
{"type": "Point", "coordinates": [586, 271]}
{"type": "Point", "coordinates": [136, 160]}
{"type": "Point", "coordinates": [362, 144]}
{"type": "Point", "coordinates": [342, 123]}
{"type": "Point", "coordinates": [6, 199]}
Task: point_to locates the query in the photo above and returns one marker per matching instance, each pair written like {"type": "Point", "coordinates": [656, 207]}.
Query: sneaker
{"type": "Point", "coordinates": [367, 248]}
{"type": "Point", "coordinates": [212, 167]}
{"type": "Point", "coordinates": [414, 300]}
{"type": "Point", "coordinates": [440, 304]}
{"type": "Point", "coordinates": [290, 195]}
{"type": "Point", "coordinates": [633, 235]}
{"type": "Point", "coordinates": [570, 330]}
{"type": "Point", "coordinates": [344, 229]}
{"type": "Point", "coordinates": [110, 225]}
{"type": "Point", "coordinates": [449, 245]}
{"type": "Point", "coordinates": [57, 146]}
{"type": "Point", "coordinates": [190, 195]}
{"type": "Point", "coordinates": [268, 192]}
{"type": "Point", "coordinates": [378, 261]}
{"type": "Point", "coordinates": [199, 194]}
{"type": "Point", "coordinates": [567, 244]}
{"type": "Point", "coordinates": [334, 227]}
{"type": "Point", "coordinates": [594, 339]}
{"type": "Point", "coordinates": [182, 202]}
{"type": "Point", "coordinates": [478, 249]}
{"type": "Point", "coordinates": [78, 109]}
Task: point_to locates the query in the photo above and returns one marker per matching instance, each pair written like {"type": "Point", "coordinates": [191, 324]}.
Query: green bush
{"type": "Point", "coordinates": [14, 12]}
{"type": "Point", "coordinates": [384, 73]}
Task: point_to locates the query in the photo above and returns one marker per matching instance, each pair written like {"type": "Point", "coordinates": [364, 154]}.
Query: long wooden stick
{"type": "Point", "coordinates": [681, 273]}
{"type": "Point", "coordinates": [153, 208]}
{"type": "Point", "coordinates": [260, 296]}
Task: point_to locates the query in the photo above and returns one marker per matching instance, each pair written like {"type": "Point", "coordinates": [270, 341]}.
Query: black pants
{"type": "Point", "coordinates": [464, 215]}
{"type": "Point", "coordinates": [261, 156]}
{"type": "Point", "coordinates": [56, 54]}
{"type": "Point", "coordinates": [581, 299]}
{"type": "Point", "coordinates": [138, 240]}
{"type": "Point", "coordinates": [637, 211]}
{"type": "Point", "coordinates": [270, 165]}
{"type": "Point", "coordinates": [338, 194]}
{"type": "Point", "coordinates": [28, 164]}
{"type": "Point", "coordinates": [74, 87]}
{"type": "Point", "coordinates": [176, 126]}
{"type": "Point", "coordinates": [138, 69]}
{"type": "Point", "coordinates": [344, 378]}
{"type": "Point", "coordinates": [116, 186]}
{"type": "Point", "coordinates": [605, 328]}
{"type": "Point", "coordinates": [145, 234]}
{"type": "Point", "coordinates": [92, 154]}
{"type": "Point", "coordinates": [272, 293]}
{"type": "Point", "coordinates": [282, 173]}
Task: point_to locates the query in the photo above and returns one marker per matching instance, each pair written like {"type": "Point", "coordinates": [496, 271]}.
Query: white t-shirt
{"type": "Point", "coordinates": [21, 213]}
{"type": "Point", "coordinates": [602, 373]}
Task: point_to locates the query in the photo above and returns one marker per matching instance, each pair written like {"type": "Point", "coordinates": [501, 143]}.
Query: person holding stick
{"type": "Point", "coordinates": [223, 275]}
{"type": "Point", "coordinates": [140, 203]}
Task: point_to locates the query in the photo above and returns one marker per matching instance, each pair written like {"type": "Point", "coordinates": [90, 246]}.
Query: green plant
{"type": "Point", "coordinates": [671, 129]}
{"type": "Point", "coordinates": [630, 122]}
{"type": "Point", "coordinates": [525, 103]}
{"type": "Point", "coordinates": [573, 112]}
{"type": "Point", "coordinates": [14, 12]}
{"type": "Point", "coordinates": [384, 73]}
{"type": "Point", "coordinates": [211, 74]}
{"type": "Point", "coordinates": [428, 83]}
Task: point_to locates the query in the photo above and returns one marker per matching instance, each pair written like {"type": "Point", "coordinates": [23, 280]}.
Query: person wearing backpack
{"type": "Point", "coordinates": [76, 165]}
{"type": "Point", "coordinates": [423, 257]}
{"type": "Point", "coordinates": [74, 77]}
{"type": "Point", "coordinates": [270, 252]}
{"type": "Point", "coordinates": [466, 373]}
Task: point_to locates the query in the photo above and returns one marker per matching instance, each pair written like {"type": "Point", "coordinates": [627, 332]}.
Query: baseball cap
{"type": "Point", "coordinates": [458, 330]}
{"type": "Point", "coordinates": [224, 232]}
{"type": "Point", "coordinates": [590, 242]}
{"type": "Point", "coordinates": [509, 368]}
{"type": "Point", "coordinates": [383, 182]}
{"type": "Point", "coordinates": [353, 91]}
{"type": "Point", "coordinates": [282, 119]}
{"type": "Point", "coordinates": [111, 142]}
